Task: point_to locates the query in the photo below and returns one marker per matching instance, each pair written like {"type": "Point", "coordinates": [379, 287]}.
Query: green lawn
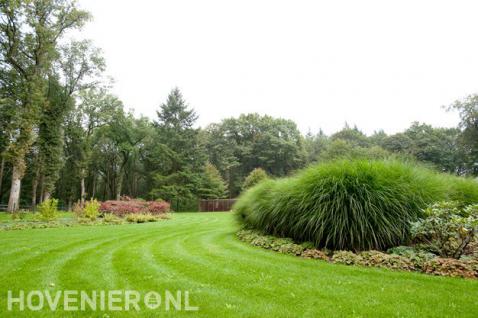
{"type": "Point", "coordinates": [225, 277]}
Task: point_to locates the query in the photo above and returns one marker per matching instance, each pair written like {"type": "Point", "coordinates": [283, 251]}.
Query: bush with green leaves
{"type": "Point", "coordinates": [143, 217]}
{"type": "Point", "coordinates": [416, 256]}
{"type": "Point", "coordinates": [349, 205]}
{"type": "Point", "coordinates": [48, 209]}
{"type": "Point", "coordinates": [447, 228]}
{"type": "Point", "coordinates": [110, 218]}
{"type": "Point", "coordinates": [91, 209]}
{"type": "Point", "coordinates": [383, 260]}
{"type": "Point", "coordinates": [346, 258]}
{"type": "Point", "coordinates": [254, 177]}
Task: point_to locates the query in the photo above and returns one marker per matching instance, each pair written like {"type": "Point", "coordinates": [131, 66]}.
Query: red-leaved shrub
{"type": "Point", "coordinates": [157, 207]}
{"type": "Point", "coordinates": [122, 208]}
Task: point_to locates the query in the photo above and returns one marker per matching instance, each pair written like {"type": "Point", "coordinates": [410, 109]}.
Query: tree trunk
{"type": "Point", "coordinates": [2, 167]}
{"type": "Point", "coordinates": [42, 187]}
{"type": "Point", "coordinates": [34, 189]}
{"type": "Point", "coordinates": [46, 195]}
{"type": "Point", "coordinates": [14, 200]}
{"type": "Point", "coordinates": [93, 192]}
{"type": "Point", "coordinates": [83, 192]}
{"type": "Point", "coordinates": [34, 192]}
{"type": "Point", "coordinates": [118, 186]}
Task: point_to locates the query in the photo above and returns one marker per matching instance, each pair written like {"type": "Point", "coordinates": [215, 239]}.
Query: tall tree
{"type": "Point", "coordinates": [29, 35]}
{"type": "Point", "coordinates": [96, 109]}
{"type": "Point", "coordinates": [437, 146]}
{"type": "Point", "coordinates": [353, 136]}
{"type": "Point", "coordinates": [468, 111]}
{"type": "Point", "coordinates": [315, 145]}
{"type": "Point", "coordinates": [254, 141]}
{"type": "Point", "coordinates": [77, 68]}
{"type": "Point", "coordinates": [178, 176]}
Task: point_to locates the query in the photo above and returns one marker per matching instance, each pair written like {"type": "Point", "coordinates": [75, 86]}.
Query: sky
{"type": "Point", "coordinates": [374, 64]}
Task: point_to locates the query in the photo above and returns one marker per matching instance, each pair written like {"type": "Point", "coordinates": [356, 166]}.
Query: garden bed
{"type": "Point", "coordinates": [400, 258]}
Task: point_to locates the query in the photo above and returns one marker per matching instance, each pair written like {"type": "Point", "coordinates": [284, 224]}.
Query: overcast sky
{"type": "Point", "coordinates": [376, 64]}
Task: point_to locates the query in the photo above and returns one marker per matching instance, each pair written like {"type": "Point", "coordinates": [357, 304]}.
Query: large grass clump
{"type": "Point", "coordinates": [353, 205]}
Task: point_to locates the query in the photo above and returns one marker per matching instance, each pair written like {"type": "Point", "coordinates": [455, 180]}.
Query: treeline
{"type": "Point", "coordinates": [63, 134]}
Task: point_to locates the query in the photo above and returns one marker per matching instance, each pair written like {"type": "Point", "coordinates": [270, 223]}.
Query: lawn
{"type": "Point", "coordinates": [225, 277]}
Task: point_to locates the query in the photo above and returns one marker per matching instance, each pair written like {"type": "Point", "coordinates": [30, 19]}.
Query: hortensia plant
{"type": "Point", "coordinates": [447, 228]}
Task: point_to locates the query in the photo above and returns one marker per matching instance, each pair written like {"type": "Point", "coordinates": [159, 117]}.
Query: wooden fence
{"type": "Point", "coordinates": [216, 205]}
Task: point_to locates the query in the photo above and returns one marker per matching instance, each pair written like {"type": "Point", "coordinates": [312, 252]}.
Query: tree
{"type": "Point", "coordinates": [315, 145]}
{"type": "Point", "coordinates": [8, 81]}
{"type": "Point", "coordinates": [238, 145]}
{"type": "Point", "coordinates": [351, 135]}
{"type": "Point", "coordinates": [178, 175]}
{"type": "Point", "coordinates": [468, 111]}
{"type": "Point", "coordinates": [341, 149]}
{"type": "Point", "coordinates": [29, 35]}
{"type": "Point", "coordinates": [213, 185]}
{"type": "Point", "coordinates": [97, 109]}
{"type": "Point", "coordinates": [256, 176]}
{"type": "Point", "coordinates": [437, 146]}
{"type": "Point", "coordinates": [119, 142]}
{"type": "Point", "coordinates": [77, 67]}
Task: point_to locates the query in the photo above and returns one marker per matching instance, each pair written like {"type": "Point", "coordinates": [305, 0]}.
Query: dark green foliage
{"type": "Point", "coordinates": [468, 111]}
{"type": "Point", "coordinates": [342, 149]}
{"type": "Point", "coordinates": [353, 136]}
{"type": "Point", "coordinates": [314, 145]}
{"type": "Point", "coordinates": [436, 146]}
{"type": "Point", "coordinates": [212, 185]}
{"type": "Point", "coordinates": [354, 205]}
{"type": "Point", "coordinates": [256, 176]}
{"type": "Point", "coordinates": [177, 177]}
{"type": "Point", "coordinates": [236, 146]}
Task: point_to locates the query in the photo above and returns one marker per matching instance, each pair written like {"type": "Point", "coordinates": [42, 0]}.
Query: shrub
{"type": "Point", "coordinates": [158, 207]}
{"type": "Point", "coordinates": [447, 228]}
{"type": "Point", "coordinates": [291, 248]}
{"type": "Point", "coordinates": [379, 259]}
{"type": "Point", "coordinates": [131, 206]}
{"type": "Point", "coordinates": [142, 217]}
{"type": "Point", "coordinates": [451, 267]}
{"type": "Point", "coordinates": [48, 209]}
{"type": "Point", "coordinates": [314, 254]}
{"type": "Point", "coordinates": [92, 209]}
{"type": "Point", "coordinates": [282, 245]}
{"type": "Point", "coordinates": [19, 215]}
{"type": "Point", "coordinates": [112, 219]}
{"type": "Point", "coordinates": [416, 256]}
{"type": "Point", "coordinates": [346, 258]}
{"type": "Point", "coordinates": [345, 205]}
{"type": "Point", "coordinates": [78, 210]}
{"type": "Point", "coordinates": [254, 177]}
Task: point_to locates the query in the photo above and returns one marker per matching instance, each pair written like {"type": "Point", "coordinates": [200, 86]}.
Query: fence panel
{"type": "Point", "coordinates": [216, 205]}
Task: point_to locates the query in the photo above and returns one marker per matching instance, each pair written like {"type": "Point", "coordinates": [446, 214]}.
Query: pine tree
{"type": "Point", "coordinates": [177, 176]}
{"type": "Point", "coordinates": [213, 185]}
